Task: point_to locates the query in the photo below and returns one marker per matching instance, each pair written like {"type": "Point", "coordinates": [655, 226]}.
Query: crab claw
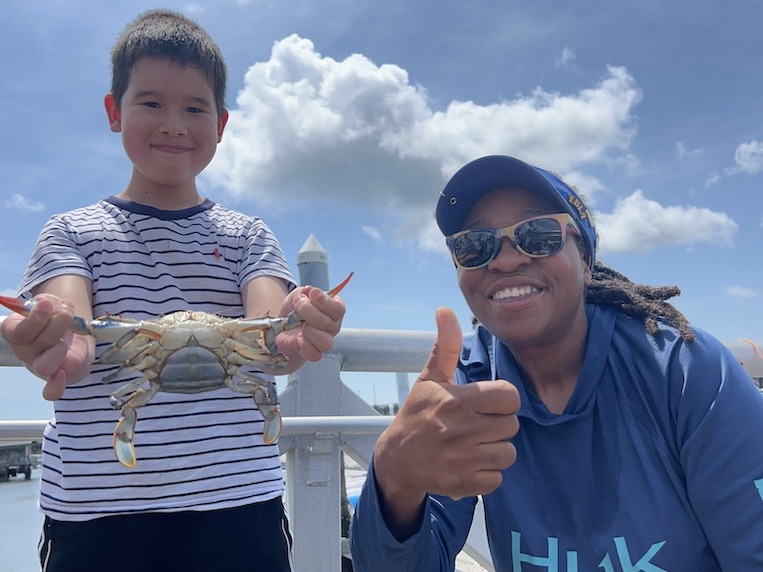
{"type": "Point", "coordinates": [336, 289]}
{"type": "Point", "coordinates": [23, 307]}
{"type": "Point", "coordinates": [755, 348]}
{"type": "Point", "coordinates": [18, 305]}
{"type": "Point", "coordinates": [124, 433]}
{"type": "Point", "coordinates": [294, 319]}
{"type": "Point", "coordinates": [267, 403]}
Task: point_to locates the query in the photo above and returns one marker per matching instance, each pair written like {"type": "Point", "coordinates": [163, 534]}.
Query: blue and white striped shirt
{"type": "Point", "coordinates": [195, 452]}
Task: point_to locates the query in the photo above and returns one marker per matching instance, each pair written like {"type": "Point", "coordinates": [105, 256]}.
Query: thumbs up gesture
{"type": "Point", "coordinates": [447, 439]}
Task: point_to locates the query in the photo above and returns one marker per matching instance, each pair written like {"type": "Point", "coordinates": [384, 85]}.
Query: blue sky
{"type": "Point", "coordinates": [347, 118]}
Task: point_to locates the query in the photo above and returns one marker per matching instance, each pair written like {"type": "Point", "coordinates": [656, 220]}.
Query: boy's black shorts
{"type": "Point", "coordinates": [253, 537]}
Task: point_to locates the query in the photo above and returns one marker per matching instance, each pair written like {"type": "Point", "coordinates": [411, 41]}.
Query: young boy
{"type": "Point", "coordinates": [206, 492]}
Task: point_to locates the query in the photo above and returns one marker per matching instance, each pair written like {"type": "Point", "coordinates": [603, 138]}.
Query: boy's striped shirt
{"type": "Point", "coordinates": [200, 451]}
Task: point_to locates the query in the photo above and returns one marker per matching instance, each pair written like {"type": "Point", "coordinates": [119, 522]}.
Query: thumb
{"type": "Point", "coordinates": [54, 387]}
{"type": "Point", "coordinates": [442, 362]}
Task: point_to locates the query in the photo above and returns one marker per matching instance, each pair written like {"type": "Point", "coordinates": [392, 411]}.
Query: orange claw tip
{"type": "Point", "coordinates": [16, 304]}
{"type": "Point", "coordinates": [755, 348]}
{"type": "Point", "coordinates": [336, 289]}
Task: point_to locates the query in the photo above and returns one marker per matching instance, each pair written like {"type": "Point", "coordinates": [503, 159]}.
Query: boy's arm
{"type": "Point", "coordinates": [264, 296]}
{"type": "Point", "coordinates": [267, 296]}
{"type": "Point", "coordinates": [43, 340]}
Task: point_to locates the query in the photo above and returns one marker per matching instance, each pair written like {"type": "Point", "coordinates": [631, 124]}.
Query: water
{"type": "Point", "coordinates": [20, 524]}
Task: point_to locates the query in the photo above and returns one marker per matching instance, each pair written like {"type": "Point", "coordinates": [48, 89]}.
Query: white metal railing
{"type": "Point", "coordinates": [323, 418]}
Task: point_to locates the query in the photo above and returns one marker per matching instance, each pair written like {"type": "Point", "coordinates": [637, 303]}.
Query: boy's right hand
{"type": "Point", "coordinates": [446, 439]}
{"type": "Point", "coordinates": [45, 344]}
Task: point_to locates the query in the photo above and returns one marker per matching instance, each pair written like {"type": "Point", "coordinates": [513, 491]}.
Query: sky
{"type": "Point", "coordinates": [348, 117]}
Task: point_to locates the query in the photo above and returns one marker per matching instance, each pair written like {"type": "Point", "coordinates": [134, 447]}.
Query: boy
{"type": "Point", "coordinates": [206, 493]}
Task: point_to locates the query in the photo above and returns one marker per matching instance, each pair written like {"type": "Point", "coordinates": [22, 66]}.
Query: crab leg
{"type": "Point", "coordinates": [124, 432]}
{"type": "Point", "coordinates": [265, 396]}
{"type": "Point", "coordinates": [106, 329]}
{"type": "Point", "coordinates": [18, 305]}
{"type": "Point", "coordinates": [755, 348]}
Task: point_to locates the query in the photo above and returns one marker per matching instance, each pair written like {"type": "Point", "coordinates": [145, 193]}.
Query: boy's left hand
{"type": "Point", "coordinates": [322, 316]}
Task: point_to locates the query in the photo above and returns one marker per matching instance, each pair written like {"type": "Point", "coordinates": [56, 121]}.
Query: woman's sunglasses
{"type": "Point", "coordinates": [536, 237]}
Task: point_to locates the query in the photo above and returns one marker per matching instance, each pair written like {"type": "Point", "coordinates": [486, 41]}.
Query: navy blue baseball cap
{"type": "Point", "coordinates": [474, 180]}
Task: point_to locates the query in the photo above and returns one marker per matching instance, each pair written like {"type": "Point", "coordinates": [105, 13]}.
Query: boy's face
{"type": "Point", "coordinates": [169, 123]}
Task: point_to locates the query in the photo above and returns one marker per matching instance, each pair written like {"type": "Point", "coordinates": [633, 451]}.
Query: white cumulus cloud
{"type": "Point", "coordinates": [309, 128]}
{"type": "Point", "coordinates": [741, 292]}
{"type": "Point", "coordinates": [22, 203]}
{"type": "Point", "coordinates": [682, 150]}
{"type": "Point", "coordinates": [372, 232]}
{"type": "Point", "coordinates": [566, 58]}
{"type": "Point", "coordinates": [748, 158]}
{"type": "Point", "coordinates": [639, 224]}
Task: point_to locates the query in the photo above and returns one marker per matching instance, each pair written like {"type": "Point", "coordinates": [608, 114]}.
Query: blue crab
{"type": "Point", "coordinates": [185, 352]}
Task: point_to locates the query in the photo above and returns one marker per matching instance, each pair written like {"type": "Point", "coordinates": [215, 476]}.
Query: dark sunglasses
{"type": "Point", "coordinates": [535, 237]}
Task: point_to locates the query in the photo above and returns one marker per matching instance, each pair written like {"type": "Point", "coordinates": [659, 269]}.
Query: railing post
{"type": "Point", "coordinates": [402, 387]}
{"type": "Point", "coordinates": [314, 471]}
{"type": "Point", "coordinates": [313, 264]}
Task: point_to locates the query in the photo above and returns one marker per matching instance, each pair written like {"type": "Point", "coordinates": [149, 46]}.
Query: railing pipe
{"type": "Point", "coordinates": [380, 351]}
{"type": "Point", "coordinates": [32, 429]}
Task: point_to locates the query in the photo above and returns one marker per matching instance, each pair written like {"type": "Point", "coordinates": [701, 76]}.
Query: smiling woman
{"type": "Point", "coordinates": [580, 400]}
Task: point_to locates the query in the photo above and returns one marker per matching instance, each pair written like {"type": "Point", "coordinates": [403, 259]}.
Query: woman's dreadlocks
{"type": "Point", "coordinates": [646, 303]}
{"type": "Point", "coordinates": [610, 288]}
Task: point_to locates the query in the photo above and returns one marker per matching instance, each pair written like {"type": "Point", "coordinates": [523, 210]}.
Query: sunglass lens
{"type": "Point", "coordinates": [474, 248]}
{"type": "Point", "coordinates": [540, 237]}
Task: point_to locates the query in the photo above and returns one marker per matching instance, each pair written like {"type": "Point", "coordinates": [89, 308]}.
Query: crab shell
{"type": "Point", "coordinates": [188, 351]}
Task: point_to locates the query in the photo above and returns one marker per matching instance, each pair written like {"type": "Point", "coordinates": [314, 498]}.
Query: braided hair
{"type": "Point", "coordinates": [608, 287]}
{"type": "Point", "coordinates": [647, 303]}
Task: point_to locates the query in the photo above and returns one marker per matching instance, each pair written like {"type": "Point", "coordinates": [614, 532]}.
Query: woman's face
{"type": "Point", "coordinates": [525, 301]}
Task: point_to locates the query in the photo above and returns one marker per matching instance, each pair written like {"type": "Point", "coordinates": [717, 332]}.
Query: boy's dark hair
{"type": "Point", "coordinates": [167, 34]}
